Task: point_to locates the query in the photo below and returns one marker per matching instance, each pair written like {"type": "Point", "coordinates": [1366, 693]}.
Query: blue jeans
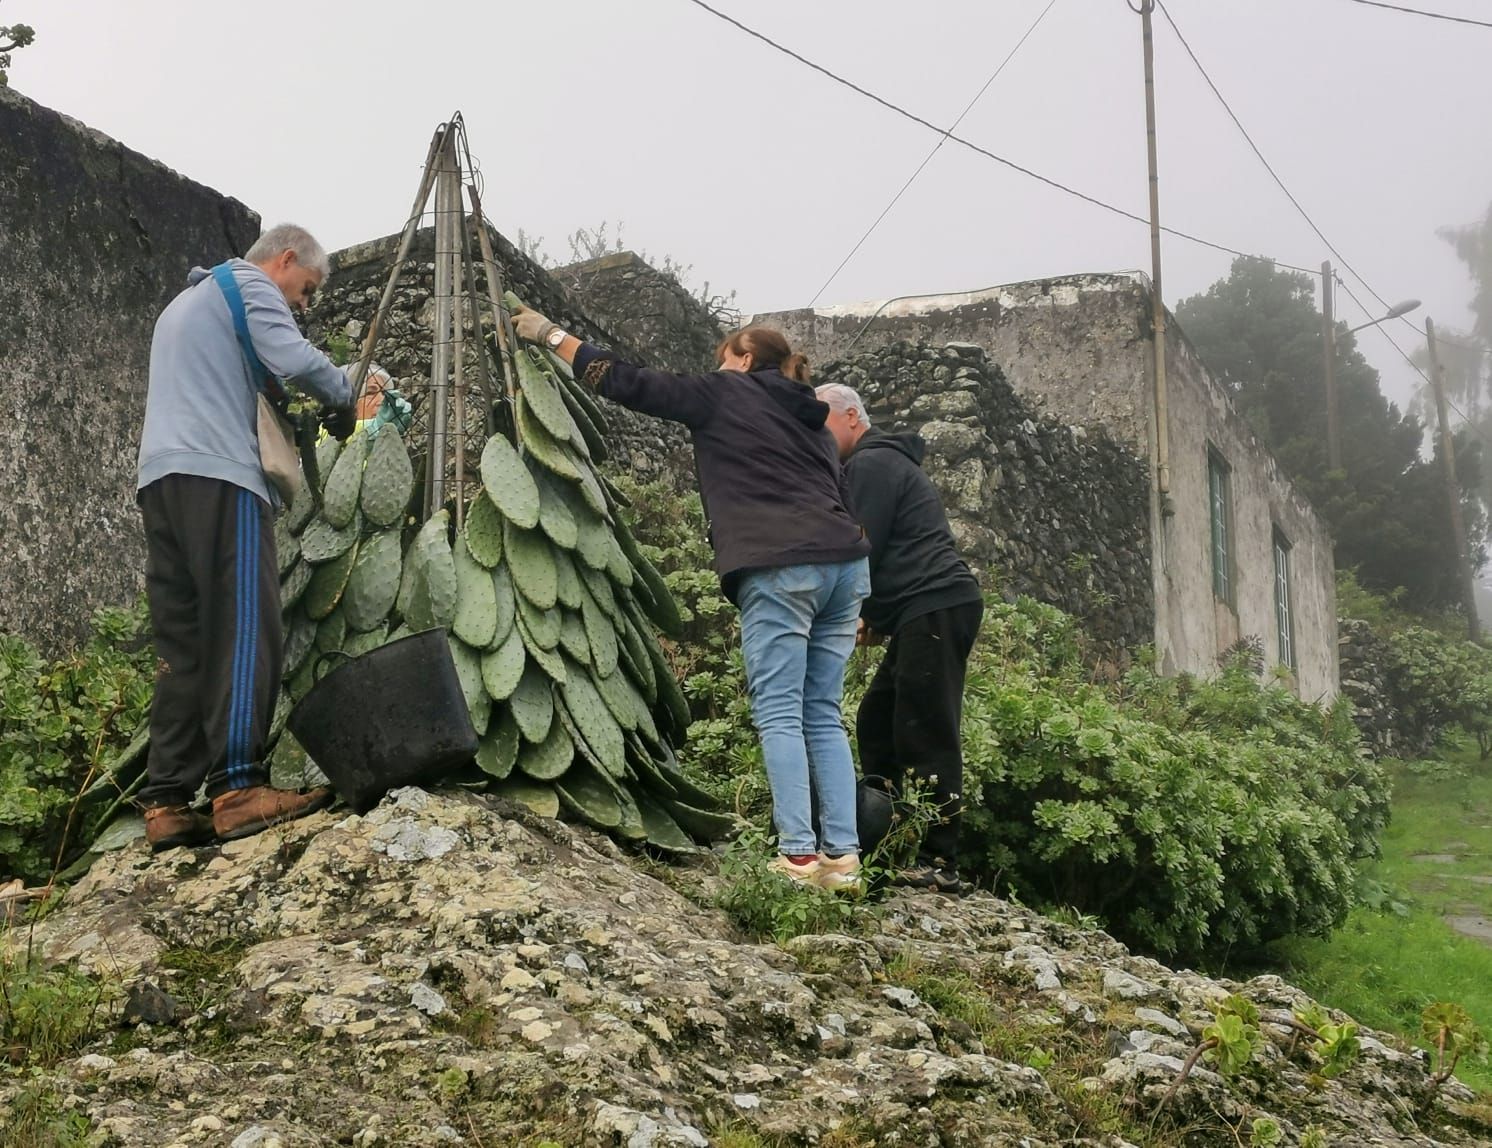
{"type": "Point", "coordinates": [797, 632]}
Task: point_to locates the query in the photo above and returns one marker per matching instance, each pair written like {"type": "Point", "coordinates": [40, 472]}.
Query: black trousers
{"type": "Point", "coordinates": [908, 721]}
{"type": "Point", "coordinates": [212, 581]}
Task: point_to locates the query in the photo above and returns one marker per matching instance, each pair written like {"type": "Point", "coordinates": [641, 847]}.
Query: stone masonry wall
{"type": "Point", "coordinates": [668, 326]}
{"type": "Point", "coordinates": [647, 446]}
{"type": "Point", "coordinates": [1079, 348]}
{"type": "Point", "coordinates": [95, 239]}
{"type": "Point", "coordinates": [1054, 511]}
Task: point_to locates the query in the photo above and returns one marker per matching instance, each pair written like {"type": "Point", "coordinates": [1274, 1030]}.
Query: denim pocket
{"type": "Point", "coordinates": [805, 578]}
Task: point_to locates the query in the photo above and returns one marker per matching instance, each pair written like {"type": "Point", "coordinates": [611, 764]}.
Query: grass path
{"type": "Point", "coordinates": [1384, 966]}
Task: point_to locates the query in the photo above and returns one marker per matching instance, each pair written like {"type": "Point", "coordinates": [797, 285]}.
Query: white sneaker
{"type": "Point", "coordinates": [839, 874]}
{"type": "Point", "coordinates": [804, 874]}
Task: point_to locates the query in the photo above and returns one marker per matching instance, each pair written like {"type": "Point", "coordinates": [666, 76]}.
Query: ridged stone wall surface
{"type": "Point", "coordinates": [95, 239]}
{"type": "Point", "coordinates": [1040, 507]}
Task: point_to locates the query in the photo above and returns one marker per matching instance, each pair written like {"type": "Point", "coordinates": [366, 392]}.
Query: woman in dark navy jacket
{"type": "Point", "coordinates": [788, 554]}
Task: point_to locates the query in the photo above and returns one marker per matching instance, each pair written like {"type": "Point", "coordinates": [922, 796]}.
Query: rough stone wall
{"type": "Point", "coordinates": [1364, 658]}
{"type": "Point", "coordinates": [667, 325]}
{"type": "Point", "coordinates": [1078, 349]}
{"type": "Point", "coordinates": [95, 239]}
{"type": "Point", "coordinates": [1054, 511]}
{"type": "Point", "coordinates": [647, 446]}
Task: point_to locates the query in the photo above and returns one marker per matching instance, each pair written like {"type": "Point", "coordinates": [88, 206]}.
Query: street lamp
{"type": "Point", "coordinates": [1394, 312]}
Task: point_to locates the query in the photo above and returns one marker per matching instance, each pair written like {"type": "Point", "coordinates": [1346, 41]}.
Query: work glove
{"type": "Point", "coordinates": [531, 326]}
{"type": "Point", "coordinates": [339, 422]}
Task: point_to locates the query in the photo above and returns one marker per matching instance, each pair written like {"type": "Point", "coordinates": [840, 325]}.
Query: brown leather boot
{"type": "Point", "coordinates": [244, 812]}
{"type": "Point", "coordinates": [167, 826]}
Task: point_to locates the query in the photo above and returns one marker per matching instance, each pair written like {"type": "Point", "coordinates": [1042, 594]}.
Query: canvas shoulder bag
{"type": "Point", "coordinates": [277, 453]}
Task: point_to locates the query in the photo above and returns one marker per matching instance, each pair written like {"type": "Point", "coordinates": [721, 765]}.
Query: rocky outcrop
{"type": "Point", "coordinates": [449, 970]}
{"type": "Point", "coordinates": [1055, 511]}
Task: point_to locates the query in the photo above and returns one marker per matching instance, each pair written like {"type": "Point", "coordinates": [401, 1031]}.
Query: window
{"type": "Point", "coordinates": [1220, 497]}
{"type": "Point", "coordinates": [1283, 621]}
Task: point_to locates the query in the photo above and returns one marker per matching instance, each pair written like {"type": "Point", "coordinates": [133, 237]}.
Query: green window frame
{"type": "Point", "coordinates": [1220, 506]}
{"type": "Point", "coordinates": [1284, 614]}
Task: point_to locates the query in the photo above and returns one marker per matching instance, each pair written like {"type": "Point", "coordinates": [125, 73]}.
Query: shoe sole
{"type": "Point", "coordinates": [181, 840]}
{"type": "Point", "coordinates": [260, 826]}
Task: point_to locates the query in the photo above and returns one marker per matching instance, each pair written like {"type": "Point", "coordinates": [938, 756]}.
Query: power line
{"type": "Point", "coordinates": [936, 148]}
{"type": "Point", "coordinates": [1422, 12]}
{"type": "Point", "coordinates": [1342, 259]}
{"type": "Point", "coordinates": [1003, 161]}
{"type": "Point", "coordinates": [1295, 203]}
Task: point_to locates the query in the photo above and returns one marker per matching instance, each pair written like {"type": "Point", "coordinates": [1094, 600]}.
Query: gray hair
{"type": "Point", "coordinates": [289, 237]}
{"type": "Point", "coordinates": [842, 398]}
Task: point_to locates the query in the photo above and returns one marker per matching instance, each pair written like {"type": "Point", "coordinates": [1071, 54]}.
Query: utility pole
{"type": "Point", "coordinates": [1329, 349]}
{"type": "Point", "coordinates": [1452, 487]}
{"type": "Point", "coordinates": [1157, 300]}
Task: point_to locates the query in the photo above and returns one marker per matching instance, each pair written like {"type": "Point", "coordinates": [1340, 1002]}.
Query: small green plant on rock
{"type": "Point", "coordinates": [46, 1014]}
{"type": "Point", "coordinates": [767, 904]}
{"type": "Point", "coordinates": [1452, 1034]}
{"type": "Point", "coordinates": [1265, 1133]}
{"type": "Point", "coordinates": [1228, 1043]}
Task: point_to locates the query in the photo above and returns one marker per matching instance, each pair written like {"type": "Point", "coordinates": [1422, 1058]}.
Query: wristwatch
{"type": "Point", "coordinates": [555, 338]}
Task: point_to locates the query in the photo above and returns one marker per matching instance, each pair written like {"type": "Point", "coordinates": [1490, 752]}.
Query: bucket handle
{"type": "Point", "coordinates": [317, 670]}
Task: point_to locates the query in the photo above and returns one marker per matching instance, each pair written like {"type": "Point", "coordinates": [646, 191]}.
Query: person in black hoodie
{"type": "Point", "coordinates": [789, 557]}
{"type": "Point", "coordinates": [923, 597]}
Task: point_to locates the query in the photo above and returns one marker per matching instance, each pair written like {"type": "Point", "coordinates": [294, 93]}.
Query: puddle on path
{"type": "Point", "coordinates": [1477, 927]}
{"type": "Point", "coordinates": [1434, 858]}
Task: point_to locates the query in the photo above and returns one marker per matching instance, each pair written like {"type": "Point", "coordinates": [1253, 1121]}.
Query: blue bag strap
{"type": "Point", "coordinates": [228, 284]}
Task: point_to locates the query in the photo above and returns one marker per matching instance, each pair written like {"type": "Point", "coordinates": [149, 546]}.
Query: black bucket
{"type": "Point", "coordinates": [395, 716]}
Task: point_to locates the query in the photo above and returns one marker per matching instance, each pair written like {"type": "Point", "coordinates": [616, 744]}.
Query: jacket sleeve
{"type": "Point", "coordinates": [284, 350]}
{"type": "Point", "coordinates": [687, 399]}
{"type": "Point", "coordinates": [874, 493]}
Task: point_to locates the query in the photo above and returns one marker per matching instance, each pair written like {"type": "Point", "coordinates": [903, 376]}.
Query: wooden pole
{"type": "Point", "coordinates": [1329, 350]}
{"type": "Point", "coordinates": [1157, 299]}
{"type": "Point", "coordinates": [1452, 487]}
{"type": "Point", "coordinates": [440, 355]}
{"type": "Point", "coordinates": [411, 226]}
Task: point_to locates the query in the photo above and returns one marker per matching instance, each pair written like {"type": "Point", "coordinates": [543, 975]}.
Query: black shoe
{"type": "Point", "coordinates": [929, 877]}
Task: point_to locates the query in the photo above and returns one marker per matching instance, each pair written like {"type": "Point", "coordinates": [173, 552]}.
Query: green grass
{"type": "Point", "coordinates": [1384, 966]}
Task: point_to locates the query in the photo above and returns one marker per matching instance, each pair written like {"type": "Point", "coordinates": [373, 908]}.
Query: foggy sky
{"type": "Point", "coordinates": [711, 148]}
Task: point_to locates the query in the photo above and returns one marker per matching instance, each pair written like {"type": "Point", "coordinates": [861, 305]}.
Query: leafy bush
{"type": "Point", "coordinates": [1437, 683]}
{"type": "Point", "coordinates": [1193, 817]}
{"type": "Point", "coordinates": [58, 722]}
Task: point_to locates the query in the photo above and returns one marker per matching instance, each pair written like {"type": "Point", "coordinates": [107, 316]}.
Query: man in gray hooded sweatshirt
{"type": "Point", "coordinates": [211, 575]}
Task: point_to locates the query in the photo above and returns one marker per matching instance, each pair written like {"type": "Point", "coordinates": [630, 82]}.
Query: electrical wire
{"type": "Point", "coordinates": [1002, 160]}
{"type": "Point", "coordinates": [1423, 12]}
{"type": "Point", "coordinates": [936, 148]}
{"type": "Point", "coordinates": [1465, 418]}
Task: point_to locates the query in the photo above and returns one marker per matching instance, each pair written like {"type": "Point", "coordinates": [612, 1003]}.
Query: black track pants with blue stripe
{"type": "Point", "coordinates": [213, 584]}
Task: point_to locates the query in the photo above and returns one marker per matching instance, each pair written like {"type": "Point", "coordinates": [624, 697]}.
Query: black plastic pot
{"type": "Point", "coordinates": [395, 716]}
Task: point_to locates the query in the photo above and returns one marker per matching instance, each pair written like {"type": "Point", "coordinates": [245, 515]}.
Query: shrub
{"type": "Point", "coordinates": [1193, 817]}
{"type": "Point", "coordinates": [1437, 683]}
{"type": "Point", "coordinates": [58, 722]}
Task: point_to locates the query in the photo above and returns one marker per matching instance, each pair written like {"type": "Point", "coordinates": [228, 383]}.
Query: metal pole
{"type": "Point", "coordinates": [411, 226]}
{"type": "Point", "coordinates": [1329, 350]}
{"type": "Point", "coordinates": [1452, 487]}
{"type": "Point", "coordinates": [1157, 300]}
{"type": "Point", "coordinates": [440, 355]}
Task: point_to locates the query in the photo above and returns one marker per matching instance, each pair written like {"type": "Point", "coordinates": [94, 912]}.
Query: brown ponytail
{"type": "Point", "coordinates": [769, 351]}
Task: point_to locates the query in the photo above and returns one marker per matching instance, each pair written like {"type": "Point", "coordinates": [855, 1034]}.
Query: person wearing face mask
{"type": "Point", "coordinates": [789, 557]}
{"type": "Point", "coordinates": [211, 576]}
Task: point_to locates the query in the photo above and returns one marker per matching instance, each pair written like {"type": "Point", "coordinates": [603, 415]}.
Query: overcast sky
{"type": "Point", "coordinates": [760, 173]}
